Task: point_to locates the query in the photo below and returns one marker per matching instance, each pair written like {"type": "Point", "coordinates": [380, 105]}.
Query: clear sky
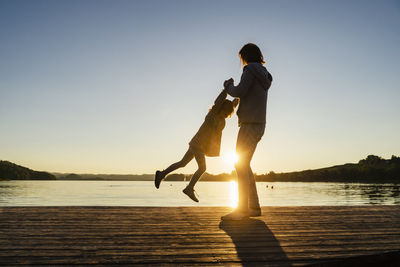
{"type": "Point", "coordinates": [122, 86]}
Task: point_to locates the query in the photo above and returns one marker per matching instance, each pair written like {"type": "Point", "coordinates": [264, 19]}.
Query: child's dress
{"type": "Point", "coordinates": [207, 140]}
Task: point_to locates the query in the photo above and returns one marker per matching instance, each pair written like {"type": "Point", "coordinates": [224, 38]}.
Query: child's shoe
{"type": "Point", "coordinates": [190, 193]}
{"type": "Point", "coordinates": [158, 179]}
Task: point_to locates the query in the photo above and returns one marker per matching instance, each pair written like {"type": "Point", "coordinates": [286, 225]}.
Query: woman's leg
{"type": "Point", "coordinates": [180, 164]}
{"type": "Point", "coordinates": [243, 173]}
{"type": "Point", "coordinates": [254, 202]}
{"type": "Point", "coordinates": [201, 162]}
{"type": "Point", "coordinates": [248, 138]}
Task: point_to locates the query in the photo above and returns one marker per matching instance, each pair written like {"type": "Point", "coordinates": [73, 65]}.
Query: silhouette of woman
{"type": "Point", "coordinates": [252, 91]}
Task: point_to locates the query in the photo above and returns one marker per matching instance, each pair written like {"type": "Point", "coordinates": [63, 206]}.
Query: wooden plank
{"type": "Point", "coordinates": [194, 235]}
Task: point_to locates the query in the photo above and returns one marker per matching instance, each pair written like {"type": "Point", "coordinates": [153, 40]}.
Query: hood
{"type": "Point", "coordinates": [261, 73]}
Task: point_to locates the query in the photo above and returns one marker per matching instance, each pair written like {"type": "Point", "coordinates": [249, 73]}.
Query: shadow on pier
{"type": "Point", "coordinates": [255, 243]}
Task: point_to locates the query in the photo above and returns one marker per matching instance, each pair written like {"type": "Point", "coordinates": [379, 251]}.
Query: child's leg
{"type": "Point", "coordinates": [201, 162]}
{"type": "Point", "coordinates": [180, 164]}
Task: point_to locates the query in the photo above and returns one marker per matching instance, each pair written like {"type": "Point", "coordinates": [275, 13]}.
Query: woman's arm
{"type": "Point", "coordinates": [241, 89]}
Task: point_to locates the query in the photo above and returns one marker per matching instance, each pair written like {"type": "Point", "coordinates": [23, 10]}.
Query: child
{"type": "Point", "coordinates": [206, 142]}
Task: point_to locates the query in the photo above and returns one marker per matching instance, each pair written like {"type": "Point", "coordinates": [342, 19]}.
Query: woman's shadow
{"type": "Point", "coordinates": [255, 243]}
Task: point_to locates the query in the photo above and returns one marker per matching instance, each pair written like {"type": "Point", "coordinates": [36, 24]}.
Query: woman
{"type": "Point", "coordinates": [252, 91]}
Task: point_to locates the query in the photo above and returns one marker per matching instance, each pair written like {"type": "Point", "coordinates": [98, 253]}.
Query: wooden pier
{"type": "Point", "coordinates": [283, 236]}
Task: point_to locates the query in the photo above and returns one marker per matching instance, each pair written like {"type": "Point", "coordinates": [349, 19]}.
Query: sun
{"type": "Point", "coordinates": [231, 157]}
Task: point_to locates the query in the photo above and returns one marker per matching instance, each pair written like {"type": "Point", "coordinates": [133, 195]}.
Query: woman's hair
{"type": "Point", "coordinates": [227, 108]}
{"type": "Point", "coordinates": [251, 53]}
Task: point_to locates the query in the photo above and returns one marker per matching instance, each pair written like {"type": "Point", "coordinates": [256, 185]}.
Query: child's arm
{"type": "Point", "coordinates": [220, 99]}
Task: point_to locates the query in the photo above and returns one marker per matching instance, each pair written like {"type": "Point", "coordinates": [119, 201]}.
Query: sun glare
{"type": "Point", "coordinates": [233, 194]}
{"type": "Point", "coordinates": [231, 158]}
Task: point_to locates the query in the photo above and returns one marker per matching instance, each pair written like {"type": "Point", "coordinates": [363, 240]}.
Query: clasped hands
{"type": "Point", "coordinates": [228, 83]}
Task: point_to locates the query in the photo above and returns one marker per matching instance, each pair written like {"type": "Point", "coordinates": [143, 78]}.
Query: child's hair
{"type": "Point", "coordinates": [227, 108]}
{"type": "Point", "coordinates": [251, 53]}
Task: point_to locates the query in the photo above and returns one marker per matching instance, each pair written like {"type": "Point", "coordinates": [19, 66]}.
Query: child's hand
{"type": "Point", "coordinates": [227, 83]}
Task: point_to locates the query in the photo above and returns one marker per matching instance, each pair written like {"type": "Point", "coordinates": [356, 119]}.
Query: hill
{"type": "Point", "coordinates": [11, 171]}
{"type": "Point", "coordinates": [370, 169]}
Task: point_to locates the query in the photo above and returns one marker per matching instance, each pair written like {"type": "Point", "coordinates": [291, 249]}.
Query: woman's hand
{"type": "Point", "coordinates": [227, 83]}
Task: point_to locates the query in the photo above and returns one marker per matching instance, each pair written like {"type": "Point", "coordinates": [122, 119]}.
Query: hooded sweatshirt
{"type": "Point", "coordinates": [253, 93]}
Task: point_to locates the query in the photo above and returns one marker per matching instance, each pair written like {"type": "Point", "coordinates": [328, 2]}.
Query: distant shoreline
{"type": "Point", "coordinates": [377, 181]}
{"type": "Point", "coordinates": [372, 169]}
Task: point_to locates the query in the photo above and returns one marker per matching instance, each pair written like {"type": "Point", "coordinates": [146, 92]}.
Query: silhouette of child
{"type": "Point", "coordinates": [206, 142]}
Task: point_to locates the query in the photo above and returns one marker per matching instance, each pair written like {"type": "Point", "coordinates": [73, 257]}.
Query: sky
{"type": "Point", "coordinates": [122, 86]}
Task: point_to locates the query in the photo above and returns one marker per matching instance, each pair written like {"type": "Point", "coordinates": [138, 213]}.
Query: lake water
{"type": "Point", "coordinates": [138, 193]}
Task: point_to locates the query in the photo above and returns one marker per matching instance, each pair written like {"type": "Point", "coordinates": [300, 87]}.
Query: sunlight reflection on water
{"type": "Point", "coordinates": [141, 193]}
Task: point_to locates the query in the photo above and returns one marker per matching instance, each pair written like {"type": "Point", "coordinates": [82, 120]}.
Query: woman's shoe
{"type": "Point", "coordinates": [190, 193]}
{"type": "Point", "coordinates": [254, 212]}
{"type": "Point", "coordinates": [235, 215]}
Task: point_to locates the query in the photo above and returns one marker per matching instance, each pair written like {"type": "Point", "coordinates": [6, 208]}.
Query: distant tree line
{"type": "Point", "coordinates": [11, 171]}
{"type": "Point", "coordinates": [372, 169]}
{"type": "Point", "coordinates": [106, 177]}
